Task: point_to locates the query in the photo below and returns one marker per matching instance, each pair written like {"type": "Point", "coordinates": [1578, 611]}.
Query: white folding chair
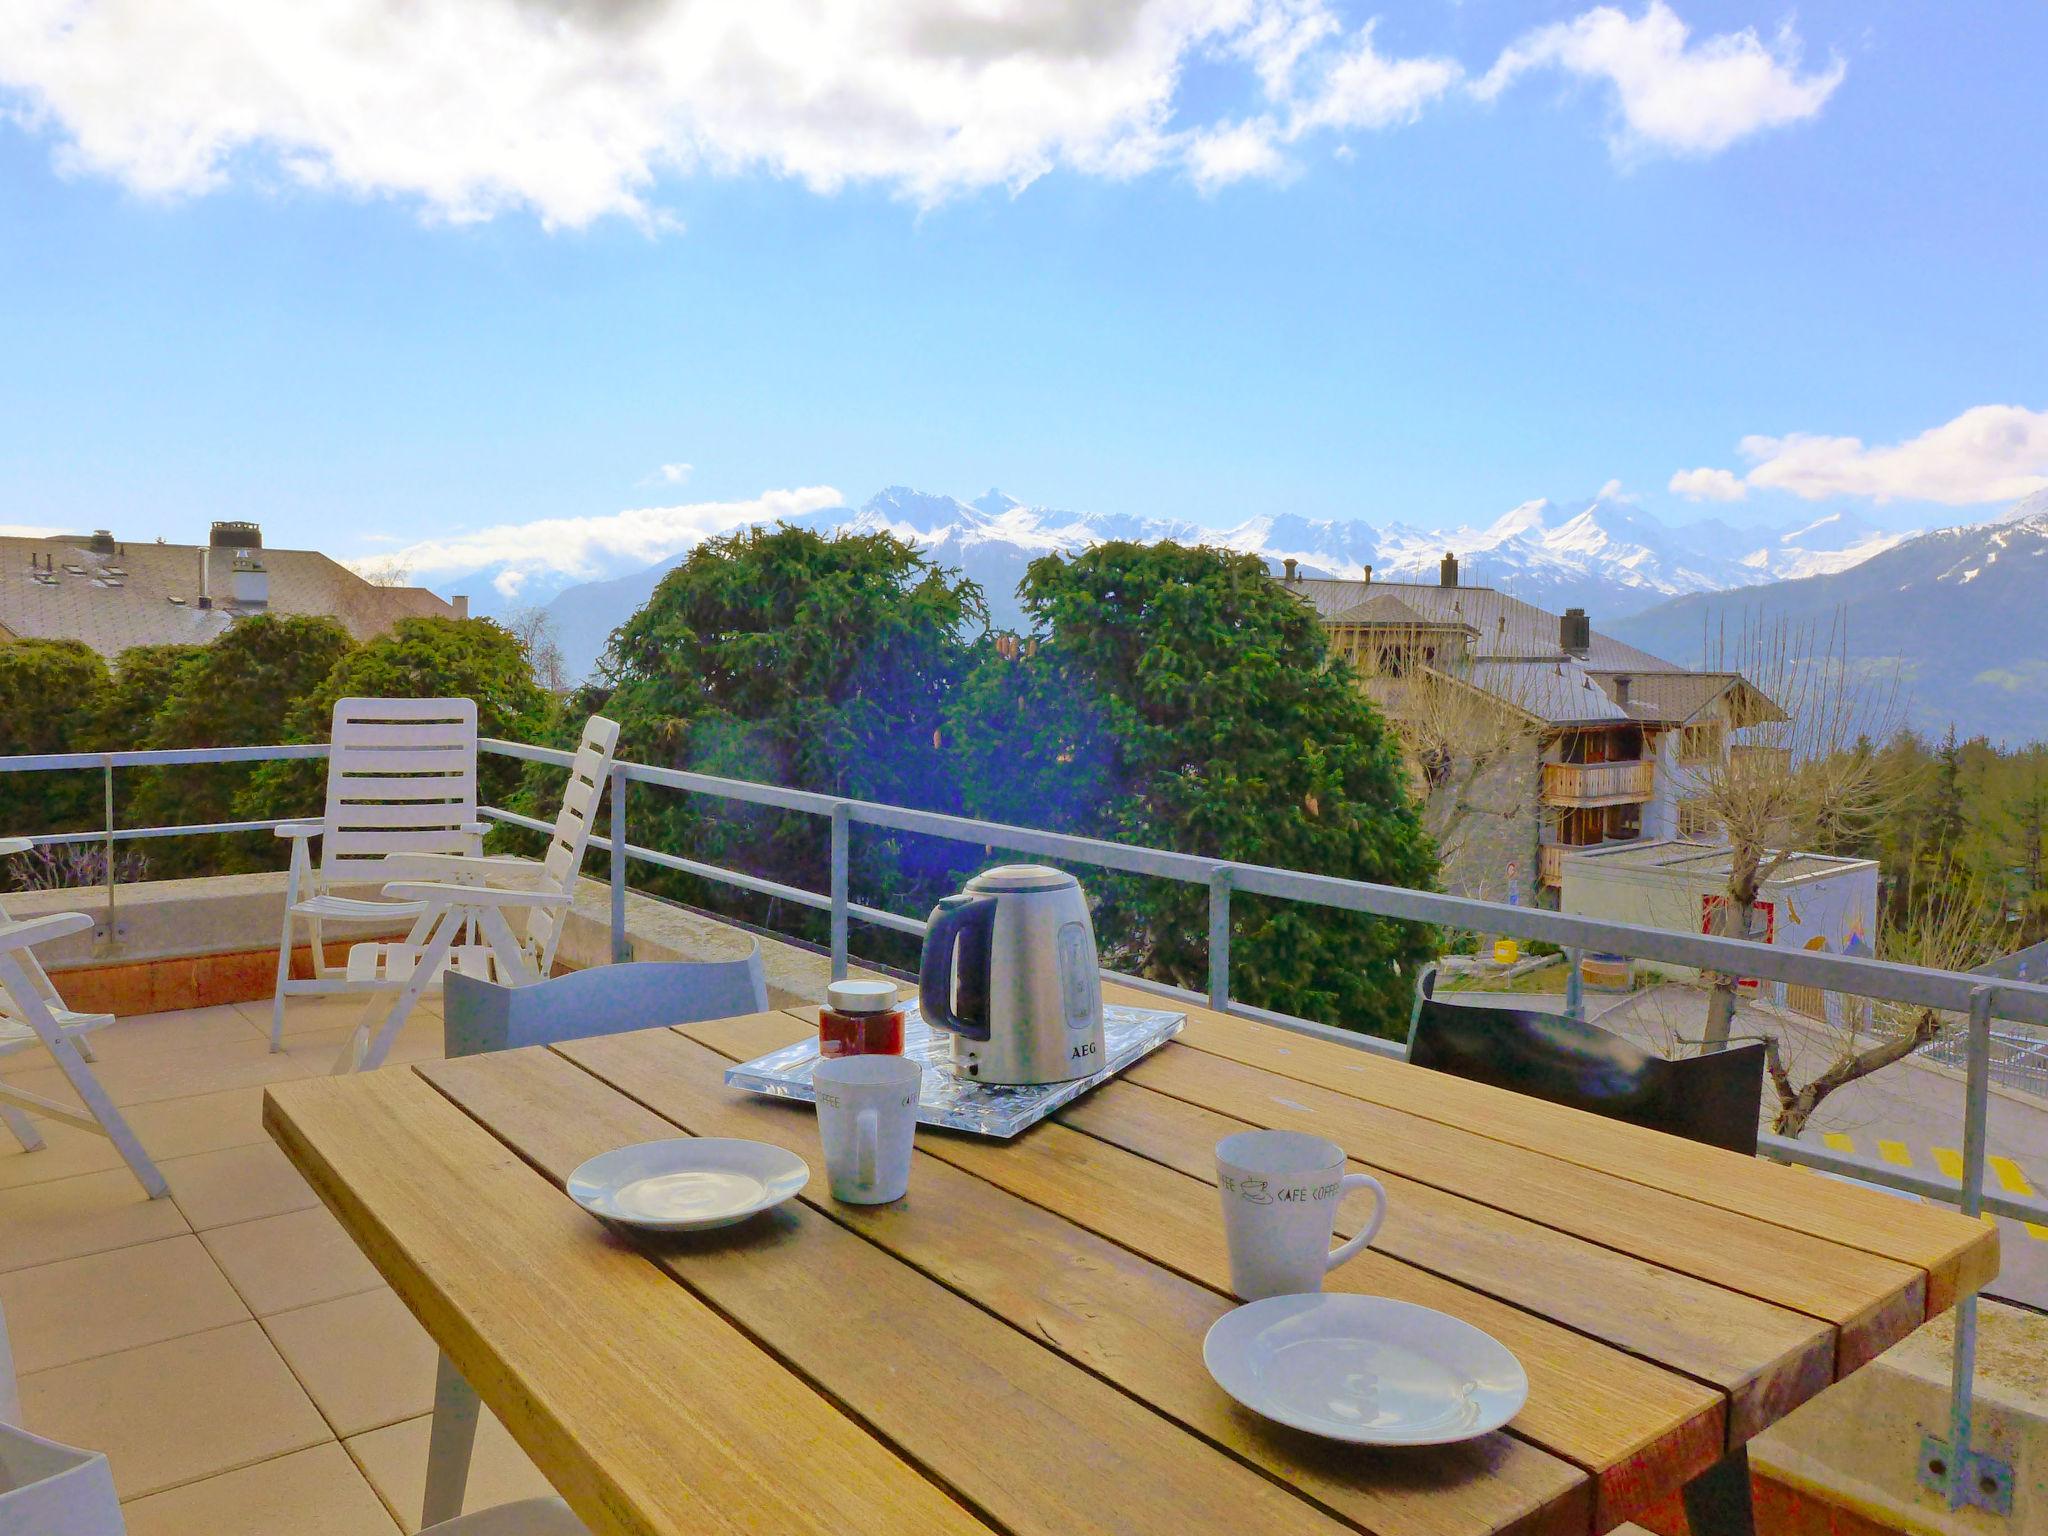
{"type": "Point", "coordinates": [47, 1489]}
{"type": "Point", "coordinates": [15, 1035]}
{"type": "Point", "coordinates": [529, 1517]}
{"type": "Point", "coordinates": [401, 779]}
{"type": "Point", "coordinates": [27, 1006]}
{"type": "Point", "coordinates": [472, 898]}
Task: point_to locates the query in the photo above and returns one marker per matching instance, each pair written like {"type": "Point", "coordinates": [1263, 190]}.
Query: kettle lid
{"type": "Point", "coordinates": [1020, 877]}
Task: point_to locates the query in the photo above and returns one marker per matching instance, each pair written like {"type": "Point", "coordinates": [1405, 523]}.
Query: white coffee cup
{"type": "Point", "coordinates": [867, 1118]}
{"type": "Point", "coordinates": [1280, 1194]}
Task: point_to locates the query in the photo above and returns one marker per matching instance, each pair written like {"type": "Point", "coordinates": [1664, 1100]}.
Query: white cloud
{"type": "Point", "coordinates": [578, 110]}
{"type": "Point", "coordinates": [1988, 453]}
{"type": "Point", "coordinates": [1672, 94]}
{"type": "Point", "coordinates": [1216, 157]}
{"type": "Point", "coordinates": [589, 548]}
{"type": "Point", "coordinates": [1709, 485]}
{"type": "Point", "coordinates": [671, 474]}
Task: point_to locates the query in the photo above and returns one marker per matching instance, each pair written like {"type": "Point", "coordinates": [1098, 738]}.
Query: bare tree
{"type": "Point", "coordinates": [1796, 773]}
{"type": "Point", "coordinates": [534, 629]}
{"type": "Point", "coordinates": [388, 571]}
{"type": "Point", "coordinates": [1454, 732]}
{"type": "Point", "coordinates": [1955, 930]}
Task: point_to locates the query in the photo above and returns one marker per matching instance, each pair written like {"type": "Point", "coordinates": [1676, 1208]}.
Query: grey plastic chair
{"type": "Point", "coordinates": [480, 1016]}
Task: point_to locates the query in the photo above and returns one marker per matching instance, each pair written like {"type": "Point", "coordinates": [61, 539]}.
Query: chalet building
{"type": "Point", "coordinates": [1599, 743]}
{"type": "Point", "coordinates": [113, 595]}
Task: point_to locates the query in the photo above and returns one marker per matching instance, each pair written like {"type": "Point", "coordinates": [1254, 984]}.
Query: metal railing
{"type": "Point", "coordinates": [1978, 998]}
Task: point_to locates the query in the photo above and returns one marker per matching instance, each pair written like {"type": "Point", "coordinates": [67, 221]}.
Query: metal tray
{"type": "Point", "coordinates": [983, 1108]}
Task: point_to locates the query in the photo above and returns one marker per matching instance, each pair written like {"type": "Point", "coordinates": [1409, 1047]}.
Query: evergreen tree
{"type": "Point", "coordinates": [50, 702]}
{"type": "Point", "coordinates": [1179, 698]}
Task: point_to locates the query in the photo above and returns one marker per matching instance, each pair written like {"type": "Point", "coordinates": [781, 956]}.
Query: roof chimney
{"type": "Point", "coordinates": [1447, 570]}
{"type": "Point", "coordinates": [1621, 690]}
{"type": "Point", "coordinates": [252, 582]}
{"type": "Point", "coordinates": [236, 536]}
{"type": "Point", "coordinates": [1368, 575]}
{"type": "Point", "coordinates": [460, 604]}
{"type": "Point", "coordinates": [205, 578]}
{"type": "Point", "coordinates": [1288, 565]}
{"type": "Point", "coordinates": [1575, 632]}
{"type": "Point", "coordinates": [102, 542]}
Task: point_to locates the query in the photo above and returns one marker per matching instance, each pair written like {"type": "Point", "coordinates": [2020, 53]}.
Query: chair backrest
{"type": "Point", "coordinates": [1713, 1099]}
{"type": "Point", "coordinates": [55, 1490]}
{"type": "Point", "coordinates": [401, 778]}
{"type": "Point", "coordinates": [482, 1016]}
{"type": "Point", "coordinates": [10, 1388]}
{"type": "Point", "coordinates": [588, 773]}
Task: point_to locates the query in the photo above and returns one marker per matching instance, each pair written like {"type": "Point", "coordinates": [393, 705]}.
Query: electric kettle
{"type": "Point", "coordinates": [1010, 972]}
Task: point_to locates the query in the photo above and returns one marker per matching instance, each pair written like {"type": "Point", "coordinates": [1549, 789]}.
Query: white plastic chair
{"type": "Point", "coordinates": [529, 1517]}
{"type": "Point", "coordinates": [15, 1035]}
{"type": "Point", "coordinates": [28, 1006]}
{"type": "Point", "coordinates": [401, 779]}
{"type": "Point", "coordinates": [479, 1016]}
{"type": "Point", "coordinates": [472, 898]}
{"type": "Point", "coordinates": [47, 1489]}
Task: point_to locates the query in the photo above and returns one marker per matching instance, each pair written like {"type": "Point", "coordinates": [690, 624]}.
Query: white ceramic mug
{"type": "Point", "coordinates": [867, 1117]}
{"type": "Point", "coordinates": [1280, 1194]}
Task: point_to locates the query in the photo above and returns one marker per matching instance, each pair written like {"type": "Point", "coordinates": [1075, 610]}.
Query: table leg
{"type": "Point", "coordinates": [1719, 1502]}
{"type": "Point", "coordinates": [449, 1440]}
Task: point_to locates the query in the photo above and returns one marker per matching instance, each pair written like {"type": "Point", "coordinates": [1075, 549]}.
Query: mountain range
{"type": "Point", "coordinates": [1961, 614]}
{"type": "Point", "coordinates": [1601, 554]}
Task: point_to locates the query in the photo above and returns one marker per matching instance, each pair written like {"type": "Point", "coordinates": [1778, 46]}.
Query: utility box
{"type": "Point", "coordinates": [1812, 901]}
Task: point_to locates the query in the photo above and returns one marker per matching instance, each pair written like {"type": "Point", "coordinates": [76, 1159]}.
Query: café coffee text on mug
{"type": "Point", "coordinates": [1280, 1192]}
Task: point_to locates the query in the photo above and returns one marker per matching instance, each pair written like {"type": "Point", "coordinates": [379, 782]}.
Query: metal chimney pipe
{"type": "Point", "coordinates": [205, 577]}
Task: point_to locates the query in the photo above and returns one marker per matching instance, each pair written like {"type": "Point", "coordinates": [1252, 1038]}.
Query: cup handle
{"type": "Point", "coordinates": [867, 1137]}
{"type": "Point", "coordinates": [1353, 1246]}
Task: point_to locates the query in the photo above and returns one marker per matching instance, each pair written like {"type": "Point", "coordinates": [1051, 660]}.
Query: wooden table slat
{"type": "Point", "coordinates": [609, 1375]}
{"type": "Point", "coordinates": [1022, 1435]}
{"type": "Point", "coordinates": [1958, 1255]}
{"type": "Point", "coordinates": [1635, 1425]}
{"type": "Point", "coordinates": [1121, 1316]}
{"type": "Point", "coordinates": [1874, 1301]}
{"type": "Point", "coordinates": [1767, 1359]}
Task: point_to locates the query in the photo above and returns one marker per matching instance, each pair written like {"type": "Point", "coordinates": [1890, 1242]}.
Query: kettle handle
{"type": "Point", "coordinates": [950, 920]}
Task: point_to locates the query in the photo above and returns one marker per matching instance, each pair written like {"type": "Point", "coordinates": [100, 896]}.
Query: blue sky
{"type": "Point", "coordinates": [1528, 264]}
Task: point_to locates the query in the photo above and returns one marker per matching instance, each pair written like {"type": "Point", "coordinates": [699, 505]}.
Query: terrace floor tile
{"type": "Point", "coordinates": [236, 1184]}
{"type": "Point", "coordinates": [362, 1359]}
{"type": "Point", "coordinates": [293, 1260]}
{"type": "Point", "coordinates": [394, 1459]}
{"type": "Point", "coordinates": [80, 1308]}
{"type": "Point", "coordinates": [86, 1213]}
{"type": "Point", "coordinates": [174, 1412]}
{"type": "Point", "coordinates": [315, 1492]}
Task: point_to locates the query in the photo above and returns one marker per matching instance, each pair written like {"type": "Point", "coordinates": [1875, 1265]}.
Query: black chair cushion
{"type": "Point", "coordinates": [1712, 1099]}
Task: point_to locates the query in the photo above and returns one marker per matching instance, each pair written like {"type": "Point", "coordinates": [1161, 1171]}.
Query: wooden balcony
{"type": "Point", "coordinates": [1590, 784]}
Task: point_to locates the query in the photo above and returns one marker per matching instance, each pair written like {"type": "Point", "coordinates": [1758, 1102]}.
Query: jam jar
{"type": "Point", "coordinates": [860, 1018]}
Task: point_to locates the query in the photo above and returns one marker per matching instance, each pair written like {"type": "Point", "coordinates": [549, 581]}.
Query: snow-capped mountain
{"type": "Point", "coordinates": [1956, 614]}
{"type": "Point", "coordinates": [1602, 554]}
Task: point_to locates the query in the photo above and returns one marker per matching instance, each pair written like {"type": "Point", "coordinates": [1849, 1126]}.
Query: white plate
{"type": "Point", "coordinates": [687, 1184]}
{"type": "Point", "coordinates": [1365, 1368]}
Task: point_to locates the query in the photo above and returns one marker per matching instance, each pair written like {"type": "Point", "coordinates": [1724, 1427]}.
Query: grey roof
{"type": "Point", "coordinates": [1504, 626]}
{"type": "Point", "coordinates": [1561, 692]}
{"type": "Point", "coordinates": [112, 602]}
{"type": "Point", "coordinates": [1675, 697]}
{"type": "Point", "coordinates": [1385, 608]}
{"type": "Point", "coordinates": [1689, 856]}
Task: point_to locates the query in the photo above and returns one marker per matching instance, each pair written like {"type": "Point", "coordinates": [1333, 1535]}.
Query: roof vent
{"type": "Point", "coordinates": [1447, 570]}
{"type": "Point", "coordinates": [236, 536]}
{"type": "Point", "coordinates": [1289, 566]}
{"type": "Point", "coordinates": [1621, 690]}
{"type": "Point", "coordinates": [102, 542]}
{"type": "Point", "coordinates": [1575, 632]}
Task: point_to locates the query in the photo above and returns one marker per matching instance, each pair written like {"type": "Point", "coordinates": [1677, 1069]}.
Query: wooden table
{"type": "Point", "coordinates": [1017, 1345]}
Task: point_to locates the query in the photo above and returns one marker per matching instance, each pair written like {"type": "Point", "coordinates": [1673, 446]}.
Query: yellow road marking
{"type": "Point", "coordinates": [1837, 1142]}
{"type": "Point", "coordinates": [2013, 1182]}
{"type": "Point", "coordinates": [1950, 1161]}
{"type": "Point", "coordinates": [1895, 1152]}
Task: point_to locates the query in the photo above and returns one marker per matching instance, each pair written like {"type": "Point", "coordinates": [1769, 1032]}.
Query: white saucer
{"type": "Point", "coordinates": [1365, 1368]}
{"type": "Point", "coordinates": [687, 1184]}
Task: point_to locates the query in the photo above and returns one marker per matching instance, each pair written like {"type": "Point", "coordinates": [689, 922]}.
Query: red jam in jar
{"type": "Point", "coordinates": [860, 1018]}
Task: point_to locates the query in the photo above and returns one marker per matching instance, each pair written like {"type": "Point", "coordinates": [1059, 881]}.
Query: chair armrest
{"type": "Point", "coordinates": [296, 829]}
{"type": "Point", "coordinates": [456, 865]}
{"type": "Point", "coordinates": [442, 894]}
{"type": "Point", "coordinates": [478, 828]}
{"type": "Point", "coordinates": [34, 930]}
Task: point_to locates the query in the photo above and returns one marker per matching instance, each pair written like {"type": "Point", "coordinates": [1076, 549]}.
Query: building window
{"type": "Point", "coordinates": [1700, 743]}
{"type": "Point", "coordinates": [1693, 820]}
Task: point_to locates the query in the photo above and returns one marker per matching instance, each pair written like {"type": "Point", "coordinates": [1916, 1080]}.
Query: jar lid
{"type": "Point", "coordinates": [861, 996]}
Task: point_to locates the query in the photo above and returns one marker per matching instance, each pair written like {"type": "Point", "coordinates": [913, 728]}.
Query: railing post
{"type": "Point", "coordinates": [622, 950]}
{"type": "Point", "coordinates": [107, 773]}
{"type": "Point", "coordinates": [1219, 938]}
{"type": "Point", "coordinates": [1955, 1469]}
{"type": "Point", "coordinates": [1574, 986]}
{"type": "Point", "coordinates": [842, 832]}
